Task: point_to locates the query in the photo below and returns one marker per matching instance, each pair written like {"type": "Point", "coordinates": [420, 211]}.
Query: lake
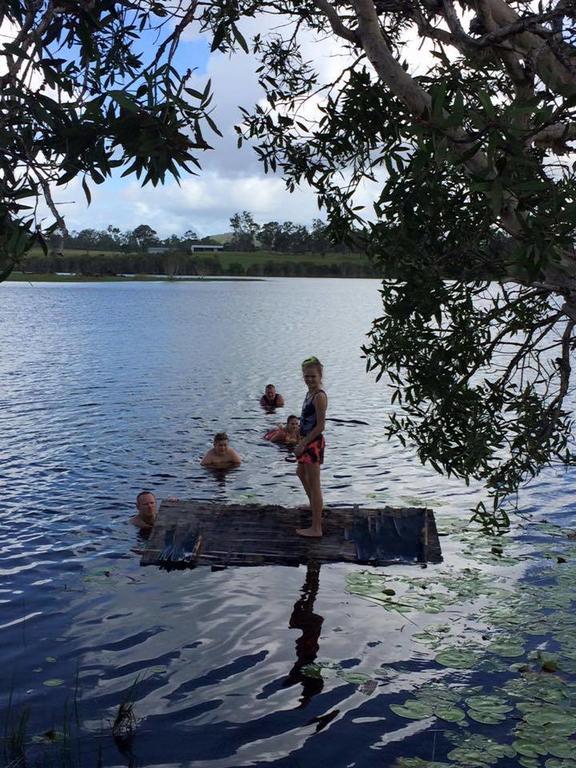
{"type": "Point", "coordinates": [110, 388]}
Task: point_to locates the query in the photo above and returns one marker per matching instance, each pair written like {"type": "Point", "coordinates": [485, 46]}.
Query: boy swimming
{"type": "Point", "coordinates": [221, 455]}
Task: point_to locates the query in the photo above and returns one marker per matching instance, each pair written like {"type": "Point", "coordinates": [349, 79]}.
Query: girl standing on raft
{"type": "Point", "coordinates": [310, 449]}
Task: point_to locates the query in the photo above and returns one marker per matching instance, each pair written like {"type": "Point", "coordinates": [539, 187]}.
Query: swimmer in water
{"type": "Point", "coordinates": [221, 456]}
{"type": "Point", "coordinates": [147, 511]}
{"type": "Point", "coordinates": [271, 398]}
{"type": "Point", "coordinates": [288, 434]}
{"type": "Point", "coordinates": [310, 449]}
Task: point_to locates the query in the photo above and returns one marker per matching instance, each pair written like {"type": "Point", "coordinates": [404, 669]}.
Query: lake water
{"type": "Point", "coordinates": [106, 389]}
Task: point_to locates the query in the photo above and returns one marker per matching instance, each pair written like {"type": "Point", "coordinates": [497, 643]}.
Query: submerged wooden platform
{"type": "Point", "coordinates": [192, 533]}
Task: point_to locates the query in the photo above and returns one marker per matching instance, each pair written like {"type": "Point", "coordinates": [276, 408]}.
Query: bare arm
{"type": "Point", "coordinates": [279, 401]}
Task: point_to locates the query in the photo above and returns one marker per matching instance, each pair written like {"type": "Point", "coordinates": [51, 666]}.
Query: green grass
{"type": "Point", "coordinates": [242, 257]}
{"type": "Point", "coordinates": [247, 258]}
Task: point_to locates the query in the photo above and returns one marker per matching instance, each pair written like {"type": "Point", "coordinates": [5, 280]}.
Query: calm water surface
{"type": "Point", "coordinates": [106, 389]}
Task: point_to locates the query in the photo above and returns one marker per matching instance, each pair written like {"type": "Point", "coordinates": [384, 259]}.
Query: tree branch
{"type": "Point", "coordinates": [338, 26]}
{"type": "Point", "coordinates": [556, 136]}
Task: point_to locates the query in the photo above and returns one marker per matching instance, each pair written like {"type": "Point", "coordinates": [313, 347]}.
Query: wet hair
{"type": "Point", "coordinates": [313, 362]}
{"type": "Point", "coordinates": [270, 385]}
{"type": "Point", "coordinates": [292, 417]}
{"type": "Point", "coordinates": [143, 493]}
{"type": "Point", "coordinates": [220, 437]}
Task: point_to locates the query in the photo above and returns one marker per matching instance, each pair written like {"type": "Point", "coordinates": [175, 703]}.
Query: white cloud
{"type": "Point", "coordinates": [204, 203]}
{"type": "Point", "coordinates": [230, 180]}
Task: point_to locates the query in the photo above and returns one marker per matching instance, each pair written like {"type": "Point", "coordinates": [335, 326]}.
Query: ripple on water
{"type": "Point", "coordinates": [112, 388]}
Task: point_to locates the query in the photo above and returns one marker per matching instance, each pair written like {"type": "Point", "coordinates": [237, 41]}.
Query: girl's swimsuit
{"type": "Point", "coordinates": [275, 434]}
{"type": "Point", "coordinates": [280, 435]}
{"type": "Point", "coordinates": [314, 451]}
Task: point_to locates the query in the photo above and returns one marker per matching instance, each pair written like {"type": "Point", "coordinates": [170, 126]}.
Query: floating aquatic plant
{"type": "Point", "coordinates": [500, 623]}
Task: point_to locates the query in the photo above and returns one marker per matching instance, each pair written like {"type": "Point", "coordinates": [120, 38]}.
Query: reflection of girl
{"type": "Point", "coordinates": [289, 434]}
{"type": "Point", "coordinates": [310, 449]}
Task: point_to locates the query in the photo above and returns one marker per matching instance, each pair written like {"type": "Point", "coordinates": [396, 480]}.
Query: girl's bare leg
{"type": "Point", "coordinates": [312, 475]}
{"type": "Point", "coordinates": [301, 472]}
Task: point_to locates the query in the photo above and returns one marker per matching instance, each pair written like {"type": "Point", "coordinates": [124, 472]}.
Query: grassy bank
{"type": "Point", "coordinates": [111, 265]}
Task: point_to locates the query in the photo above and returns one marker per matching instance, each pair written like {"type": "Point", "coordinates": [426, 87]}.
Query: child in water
{"type": "Point", "coordinates": [288, 434]}
{"type": "Point", "coordinates": [310, 449]}
{"type": "Point", "coordinates": [221, 455]}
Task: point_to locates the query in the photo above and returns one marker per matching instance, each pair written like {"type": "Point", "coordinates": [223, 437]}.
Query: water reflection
{"type": "Point", "coordinates": [307, 645]}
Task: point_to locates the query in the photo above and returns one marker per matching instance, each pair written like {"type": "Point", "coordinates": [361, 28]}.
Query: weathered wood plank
{"type": "Point", "coordinates": [189, 533]}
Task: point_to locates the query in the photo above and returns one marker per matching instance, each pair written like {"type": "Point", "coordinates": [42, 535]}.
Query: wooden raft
{"type": "Point", "coordinates": [191, 533]}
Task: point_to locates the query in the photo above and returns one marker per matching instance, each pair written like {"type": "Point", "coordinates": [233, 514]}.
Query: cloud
{"type": "Point", "coordinates": [231, 180]}
{"type": "Point", "coordinates": [205, 203]}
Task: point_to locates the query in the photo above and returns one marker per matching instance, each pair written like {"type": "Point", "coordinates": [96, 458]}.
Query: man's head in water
{"type": "Point", "coordinates": [270, 392]}
{"type": "Point", "coordinates": [146, 506]}
{"type": "Point", "coordinates": [221, 443]}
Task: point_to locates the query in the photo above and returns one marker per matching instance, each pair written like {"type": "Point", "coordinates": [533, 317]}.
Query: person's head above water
{"type": "Point", "coordinates": [312, 370]}
{"type": "Point", "coordinates": [292, 424]}
{"type": "Point", "coordinates": [270, 391]}
{"type": "Point", "coordinates": [146, 506]}
{"type": "Point", "coordinates": [221, 442]}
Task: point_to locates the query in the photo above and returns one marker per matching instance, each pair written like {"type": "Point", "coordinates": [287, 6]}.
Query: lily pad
{"type": "Point", "coordinates": [489, 704]}
{"type": "Point", "coordinates": [529, 762]}
{"type": "Point", "coordinates": [507, 648]}
{"type": "Point", "coordinates": [413, 709]}
{"type": "Point", "coordinates": [457, 658]}
{"type": "Point", "coordinates": [525, 748]}
{"type": "Point", "coordinates": [312, 670]}
{"type": "Point", "coordinates": [488, 718]}
{"type": "Point", "coordinates": [563, 748]}
{"type": "Point", "coordinates": [450, 714]}
{"type": "Point", "coordinates": [356, 678]}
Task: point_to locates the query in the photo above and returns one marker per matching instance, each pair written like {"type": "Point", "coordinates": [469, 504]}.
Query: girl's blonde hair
{"type": "Point", "coordinates": [313, 362]}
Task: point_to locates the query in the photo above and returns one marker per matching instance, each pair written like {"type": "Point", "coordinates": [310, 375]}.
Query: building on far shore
{"type": "Point", "coordinates": [206, 247]}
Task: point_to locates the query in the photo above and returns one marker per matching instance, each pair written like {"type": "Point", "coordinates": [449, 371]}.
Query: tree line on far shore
{"type": "Point", "coordinates": [246, 235]}
{"type": "Point", "coordinates": [112, 252]}
{"type": "Point", "coordinates": [174, 264]}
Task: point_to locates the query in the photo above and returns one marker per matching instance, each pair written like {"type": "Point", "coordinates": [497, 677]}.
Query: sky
{"type": "Point", "coordinates": [231, 179]}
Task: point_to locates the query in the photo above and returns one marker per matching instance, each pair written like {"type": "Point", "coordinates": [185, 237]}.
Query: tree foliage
{"type": "Point", "coordinates": [467, 144]}
{"type": "Point", "coordinates": [78, 100]}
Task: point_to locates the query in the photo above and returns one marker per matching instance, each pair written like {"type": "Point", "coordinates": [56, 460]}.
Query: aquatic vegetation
{"type": "Point", "coordinates": [60, 744]}
{"type": "Point", "coordinates": [366, 683]}
{"type": "Point", "coordinates": [525, 631]}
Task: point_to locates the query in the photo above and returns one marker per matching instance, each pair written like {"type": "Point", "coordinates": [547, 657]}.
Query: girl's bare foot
{"type": "Point", "coordinates": [311, 533]}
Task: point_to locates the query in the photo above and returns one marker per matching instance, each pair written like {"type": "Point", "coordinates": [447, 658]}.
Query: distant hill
{"type": "Point", "coordinates": [224, 238]}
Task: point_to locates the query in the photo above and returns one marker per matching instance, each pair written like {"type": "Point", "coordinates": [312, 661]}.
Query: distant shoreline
{"type": "Point", "coordinates": [47, 277]}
